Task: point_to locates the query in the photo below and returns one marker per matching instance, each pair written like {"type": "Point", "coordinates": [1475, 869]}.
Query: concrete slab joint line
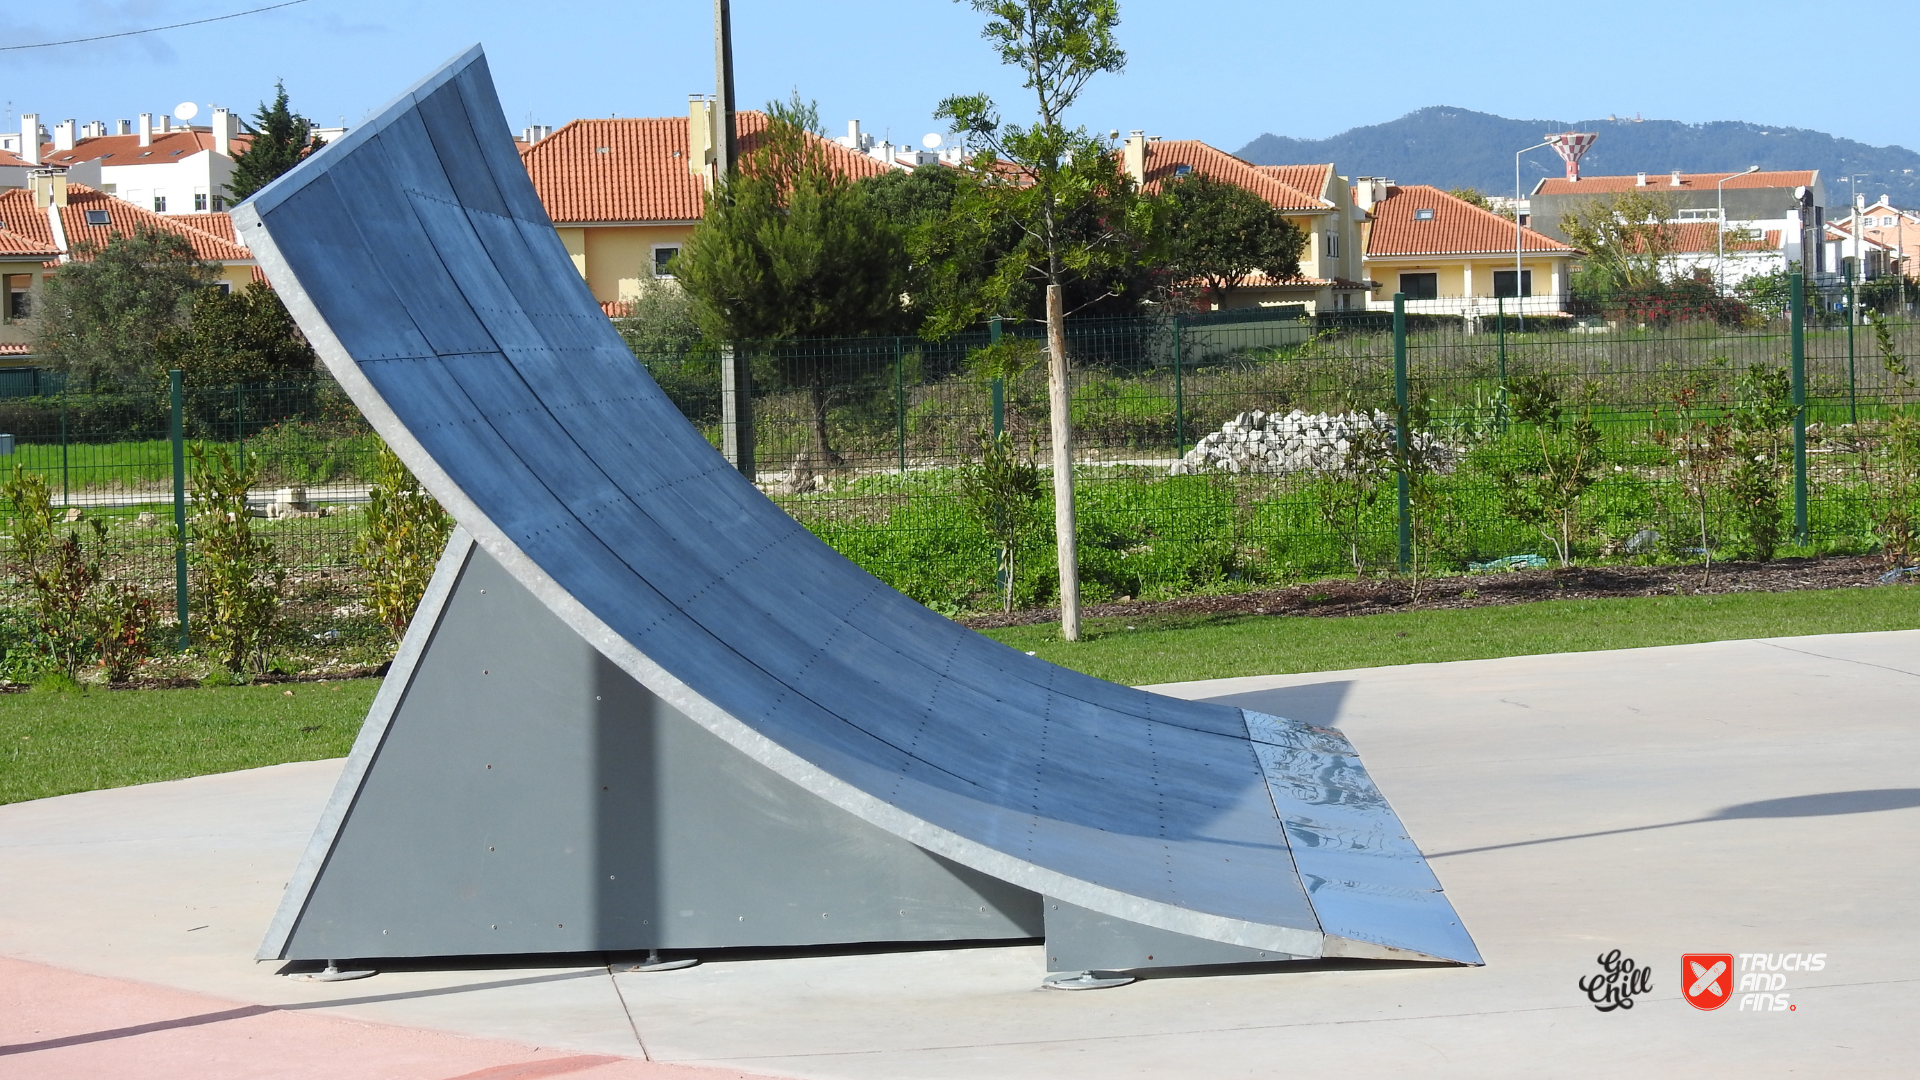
{"type": "Point", "coordinates": [615, 726]}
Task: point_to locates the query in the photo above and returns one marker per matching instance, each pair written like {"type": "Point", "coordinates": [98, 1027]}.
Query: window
{"type": "Point", "coordinates": [19, 304]}
{"type": "Point", "coordinates": [199, 200]}
{"type": "Point", "coordinates": [98, 217]}
{"type": "Point", "coordinates": [1886, 222]}
{"type": "Point", "coordinates": [1420, 286]}
{"type": "Point", "coordinates": [1503, 283]}
{"type": "Point", "coordinates": [1333, 245]}
{"type": "Point", "coordinates": [662, 255]}
{"type": "Point", "coordinates": [1182, 170]}
{"type": "Point", "coordinates": [159, 204]}
{"type": "Point", "coordinates": [1705, 213]}
{"type": "Point", "coordinates": [219, 202]}
{"type": "Point", "coordinates": [225, 287]}
{"type": "Point", "coordinates": [1423, 215]}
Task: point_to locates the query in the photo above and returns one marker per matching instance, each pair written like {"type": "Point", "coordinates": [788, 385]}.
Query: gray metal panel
{"type": "Point", "coordinates": [1082, 940]}
{"type": "Point", "coordinates": [526, 795]}
{"type": "Point", "coordinates": [1364, 874]}
{"type": "Point", "coordinates": [573, 471]}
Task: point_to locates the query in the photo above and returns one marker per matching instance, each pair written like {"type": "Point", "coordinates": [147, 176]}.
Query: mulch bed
{"type": "Point", "coordinates": [1374, 596]}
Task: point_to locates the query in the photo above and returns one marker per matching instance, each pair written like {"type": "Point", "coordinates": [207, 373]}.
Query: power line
{"type": "Point", "coordinates": [151, 29]}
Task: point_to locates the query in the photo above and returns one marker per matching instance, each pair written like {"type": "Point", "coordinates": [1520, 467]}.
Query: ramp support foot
{"type": "Point", "coordinates": [1086, 980]}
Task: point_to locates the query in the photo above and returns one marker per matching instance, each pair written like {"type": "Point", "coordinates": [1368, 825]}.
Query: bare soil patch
{"type": "Point", "coordinates": [1374, 596]}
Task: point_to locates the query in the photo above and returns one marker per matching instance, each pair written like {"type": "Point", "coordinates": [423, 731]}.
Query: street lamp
{"type": "Point", "coordinates": [1720, 240]}
{"type": "Point", "coordinates": [1518, 274]}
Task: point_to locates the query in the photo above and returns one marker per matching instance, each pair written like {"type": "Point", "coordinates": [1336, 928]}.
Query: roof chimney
{"type": "Point", "coordinates": [223, 132]}
{"type": "Point", "coordinates": [146, 129]}
{"type": "Point", "coordinates": [166, 123]}
{"type": "Point", "coordinates": [1675, 182]}
{"type": "Point", "coordinates": [123, 127]}
{"type": "Point", "coordinates": [1641, 181]}
{"type": "Point", "coordinates": [1134, 156]}
{"type": "Point", "coordinates": [30, 138]}
{"type": "Point", "coordinates": [49, 187]}
{"type": "Point", "coordinates": [63, 135]}
{"type": "Point", "coordinates": [700, 123]}
{"type": "Point", "coordinates": [1369, 191]}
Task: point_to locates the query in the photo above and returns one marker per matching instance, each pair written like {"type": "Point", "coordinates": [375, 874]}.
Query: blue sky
{"type": "Point", "coordinates": [1224, 71]}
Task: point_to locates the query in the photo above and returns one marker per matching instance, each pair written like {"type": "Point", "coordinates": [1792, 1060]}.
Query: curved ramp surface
{"type": "Point", "coordinates": [418, 260]}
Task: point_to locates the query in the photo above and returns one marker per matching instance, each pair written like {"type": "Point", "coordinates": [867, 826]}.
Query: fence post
{"type": "Point", "coordinates": [999, 388]}
{"type": "Point", "coordinates": [1853, 306]}
{"type": "Point", "coordinates": [1500, 392]}
{"type": "Point", "coordinates": [900, 404]}
{"type": "Point", "coordinates": [1797, 297]}
{"type": "Point", "coordinates": [736, 410]}
{"type": "Point", "coordinates": [239, 424]}
{"type": "Point", "coordinates": [1400, 429]}
{"type": "Point", "coordinates": [66, 490]}
{"type": "Point", "coordinates": [1179, 395]}
{"type": "Point", "coordinates": [179, 510]}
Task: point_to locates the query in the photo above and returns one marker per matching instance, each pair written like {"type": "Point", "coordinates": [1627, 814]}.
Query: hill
{"type": "Point", "coordinates": [1453, 148]}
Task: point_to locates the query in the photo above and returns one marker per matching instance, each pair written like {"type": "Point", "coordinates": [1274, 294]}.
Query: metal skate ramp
{"type": "Point", "coordinates": [641, 707]}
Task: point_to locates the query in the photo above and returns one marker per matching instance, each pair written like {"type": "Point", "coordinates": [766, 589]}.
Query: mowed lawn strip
{"type": "Point", "coordinates": [1182, 648]}
{"type": "Point", "coordinates": [53, 743]}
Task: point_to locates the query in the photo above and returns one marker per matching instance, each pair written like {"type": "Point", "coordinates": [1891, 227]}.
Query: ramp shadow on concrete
{"type": "Point", "coordinates": [641, 707]}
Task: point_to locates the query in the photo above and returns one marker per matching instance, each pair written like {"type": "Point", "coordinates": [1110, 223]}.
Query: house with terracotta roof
{"type": "Point", "coordinates": [1450, 257]}
{"type": "Point", "coordinates": [1791, 202]}
{"type": "Point", "coordinates": [164, 169]}
{"type": "Point", "coordinates": [1314, 198]}
{"type": "Point", "coordinates": [42, 225]}
{"type": "Point", "coordinates": [1889, 238]}
{"type": "Point", "coordinates": [625, 194]}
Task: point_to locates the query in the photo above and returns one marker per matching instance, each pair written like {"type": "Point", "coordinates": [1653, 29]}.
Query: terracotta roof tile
{"type": "Point", "coordinates": [217, 223]}
{"type": "Point", "coordinates": [8, 157]}
{"type": "Point", "coordinates": [13, 348]}
{"type": "Point", "coordinates": [1261, 280]}
{"type": "Point", "coordinates": [1600, 185]}
{"type": "Point", "coordinates": [637, 169]}
{"type": "Point", "coordinates": [617, 309]}
{"type": "Point", "coordinates": [1165, 158]}
{"type": "Point", "coordinates": [1310, 179]}
{"type": "Point", "coordinates": [21, 217]}
{"type": "Point", "coordinates": [1456, 227]}
{"type": "Point", "coordinates": [1694, 237]}
{"type": "Point", "coordinates": [126, 149]}
{"type": "Point", "coordinates": [18, 245]}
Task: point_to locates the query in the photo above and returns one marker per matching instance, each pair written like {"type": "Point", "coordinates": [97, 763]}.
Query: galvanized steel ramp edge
{"type": "Point", "coordinates": [947, 778]}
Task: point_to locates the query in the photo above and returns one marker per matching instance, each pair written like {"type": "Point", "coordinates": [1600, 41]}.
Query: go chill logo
{"type": "Point", "coordinates": [1757, 980]}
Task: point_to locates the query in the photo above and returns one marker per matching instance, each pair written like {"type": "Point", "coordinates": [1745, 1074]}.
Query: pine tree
{"type": "Point", "coordinates": [280, 140]}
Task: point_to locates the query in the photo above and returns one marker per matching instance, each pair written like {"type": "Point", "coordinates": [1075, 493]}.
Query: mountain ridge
{"type": "Point", "coordinates": [1451, 147]}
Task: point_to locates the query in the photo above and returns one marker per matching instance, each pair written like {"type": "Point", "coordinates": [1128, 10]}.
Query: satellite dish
{"type": "Point", "coordinates": [186, 110]}
{"type": "Point", "coordinates": [932, 141]}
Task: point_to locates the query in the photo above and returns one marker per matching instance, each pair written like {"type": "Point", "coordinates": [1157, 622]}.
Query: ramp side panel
{"type": "Point", "coordinates": [531, 797]}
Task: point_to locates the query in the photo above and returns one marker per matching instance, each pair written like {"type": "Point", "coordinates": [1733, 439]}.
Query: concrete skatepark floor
{"type": "Point", "coordinates": [1735, 797]}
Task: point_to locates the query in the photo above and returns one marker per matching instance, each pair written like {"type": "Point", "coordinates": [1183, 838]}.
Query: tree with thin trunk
{"type": "Point", "coordinates": [104, 315]}
{"type": "Point", "coordinates": [1073, 212]}
{"type": "Point", "coordinates": [790, 247]}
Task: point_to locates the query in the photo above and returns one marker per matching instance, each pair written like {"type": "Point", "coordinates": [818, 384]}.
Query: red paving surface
{"type": "Point", "coordinates": [61, 1025]}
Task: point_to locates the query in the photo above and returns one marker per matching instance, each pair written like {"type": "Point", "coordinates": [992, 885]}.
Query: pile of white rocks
{"type": "Point", "coordinates": [1258, 442]}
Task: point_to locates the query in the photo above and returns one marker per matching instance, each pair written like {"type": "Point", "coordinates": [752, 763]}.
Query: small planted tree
{"type": "Point", "coordinates": [1760, 442]}
{"type": "Point", "coordinates": [1699, 450]}
{"type": "Point", "coordinates": [1057, 194]}
{"type": "Point", "coordinates": [1005, 492]}
{"type": "Point", "coordinates": [400, 543]}
{"type": "Point", "coordinates": [240, 576]}
{"type": "Point", "coordinates": [1552, 457]}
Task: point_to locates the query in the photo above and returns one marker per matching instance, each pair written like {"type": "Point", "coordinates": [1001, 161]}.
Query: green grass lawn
{"type": "Point", "coordinates": [55, 743]}
{"type": "Point", "coordinates": [1177, 649]}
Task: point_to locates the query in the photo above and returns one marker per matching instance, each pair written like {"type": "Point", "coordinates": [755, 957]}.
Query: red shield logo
{"type": "Point", "coordinates": [1706, 979]}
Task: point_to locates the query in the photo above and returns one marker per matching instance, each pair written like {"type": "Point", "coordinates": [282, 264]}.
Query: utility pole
{"type": "Point", "coordinates": [726, 146]}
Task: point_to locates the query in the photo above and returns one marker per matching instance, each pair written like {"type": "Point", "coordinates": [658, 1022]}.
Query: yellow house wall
{"type": "Point", "coordinates": [1453, 276]}
{"type": "Point", "coordinates": [617, 260]}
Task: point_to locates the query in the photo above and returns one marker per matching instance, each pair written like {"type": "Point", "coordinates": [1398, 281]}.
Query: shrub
{"type": "Point", "coordinates": [400, 543]}
{"type": "Point", "coordinates": [240, 577]}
